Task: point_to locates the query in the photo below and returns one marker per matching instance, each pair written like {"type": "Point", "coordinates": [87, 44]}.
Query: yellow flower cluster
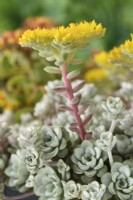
{"type": "Point", "coordinates": [102, 59]}
{"type": "Point", "coordinates": [79, 33]}
{"type": "Point", "coordinates": [96, 75]}
{"type": "Point", "coordinates": [75, 34]}
{"type": "Point", "coordinates": [118, 56]}
{"type": "Point", "coordinates": [37, 36]}
{"type": "Point", "coordinates": [127, 47]}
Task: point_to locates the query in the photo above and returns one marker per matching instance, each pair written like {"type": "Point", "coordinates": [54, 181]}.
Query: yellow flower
{"type": "Point", "coordinates": [36, 37]}
{"type": "Point", "coordinates": [127, 47]}
{"type": "Point", "coordinates": [113, 59]}
{"type": "Point", "coordinates": [75, 34]}
{"type": "Point", "coordinates": [79, 34]}
{"type": "Point", "coordinates": [115, 53]}
{"type": "Point", "coordinates": [96, 75]}
{"type": "Point", "coordinates": [102, 59]}
{"type": "Point", "coordinates": [122, 55]}
{"type": "Point", "coordinates": [117, 61]}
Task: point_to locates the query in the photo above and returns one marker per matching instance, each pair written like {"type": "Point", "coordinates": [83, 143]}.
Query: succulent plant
{"type": "Point", "coordinates": [26, 118]}
{"type": "Point", "coordinates": [13, 134]}
{"type": "Point", "coordinates": [120, 181]}
{"type": "Point", "coordinates": [23, 134]}
{"type": "Point", "coordinates": [51, 85]}
{"type": "Point", "coordinates": [96, 131]}
{"type": "Point", "coordinates": [50, 89]}
{"type": "Point", "coordinates": [88, 91]}
{"type": "Point", "coordinates": [30, 181]}
{"type": "Point", "coordinates": [33, 159]}
{"type": "Point", "coordinates": [72, 190]}
{"type": "Point", "coordinates": [28, 135]}
{"type": "Point", "coordinates": [126, 91]}
{"type": "Point", "coordinates": [106, 141]}
{"type": "Point", "coordinates": [58, 158]}
{"type": "Point", "coordinates": [63, 119]}
{"type": "Point", "coordinates": [17, 172]}
{"type": "Point", "coordinates": [88, 160]}
{"type": "Point", "coordinates": [114, 107]}
{"type": "Point", "coordinates": [93, 191]}
{"type": "Point", "coordinates": [48, 185]}
{"type": "Point", "coordinates": [6, 119]}
{"type": "Point", "coordinates": [126, 124]}
{"type": "Point", "coordinates": [124, 145]}
{"type": "Point", "coordinates": [64, 170]}
{"type": "Point", "coordinates": [45, 108]}
{"type": "Point", "coordinates": [53, 142]}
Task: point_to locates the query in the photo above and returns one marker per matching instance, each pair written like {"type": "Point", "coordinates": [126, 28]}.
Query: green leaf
{"type": "Point", "coordinates": [106, 179]}
{"type": "Point", "coordinates": [52, 69]}
{"type": "Point", "coordinates": [73, 74]}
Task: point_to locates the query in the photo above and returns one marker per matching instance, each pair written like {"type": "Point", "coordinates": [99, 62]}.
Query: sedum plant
{"type": "Point", "coordinates": [48, 185]}
{"type": "Point", "coordinates": [120, 180]}
{"type": "Point", "coordinates": [71, 190]}
{"type": "Point", "coordinates": [17, 172]}
{"type": "Point", "coordinates": [88, 160]}
{"type": "Point", "coordinates": [78, 142]}
{"type": "Point", "coordinates": [53, 142]}
{"type": "Point", "coordinates": [93, 191]}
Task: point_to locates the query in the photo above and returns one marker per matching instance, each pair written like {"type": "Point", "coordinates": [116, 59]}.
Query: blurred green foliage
{"type": "Point", "coordinates": [22, 77]}
{"type": "Point", "coordinates": [115, 15]}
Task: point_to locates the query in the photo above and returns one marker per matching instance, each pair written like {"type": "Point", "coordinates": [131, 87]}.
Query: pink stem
{"type": "Point", "coordinates": [70, 95]}
{"type": "Point", "coordinates": [22, 196]}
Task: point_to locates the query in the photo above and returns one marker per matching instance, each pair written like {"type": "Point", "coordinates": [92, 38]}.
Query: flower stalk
{"type": "Point", "coordinates": [110, 157]}
{"type": "Point", "coordinates": [112, 127]}
{"type": "Point", "coordinates": [70, 95]}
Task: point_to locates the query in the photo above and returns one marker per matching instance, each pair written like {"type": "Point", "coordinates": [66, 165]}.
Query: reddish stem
{"type": "Point", "coordinates": [70, 96]}
{"type": "Point", "coordinates": [22, 196]}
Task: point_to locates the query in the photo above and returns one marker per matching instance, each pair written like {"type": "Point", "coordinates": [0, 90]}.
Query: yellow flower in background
{"type": "Point", "coordinates": [127, 47]}
{"type": "Point", "coordinates": [115, 54]}
{"type": "Point", "coordinates": [116, 57]}
{"type": "Point", "coordinates": [118, 61]}
{"type": "Point", "coordinates": [75, 34]}
{"type": "Point", "coordinates": [97, 74]}
{"type": "Point", "coordinates": [102, 59]}
{"type": "Point", "coordinates": [121, 56]}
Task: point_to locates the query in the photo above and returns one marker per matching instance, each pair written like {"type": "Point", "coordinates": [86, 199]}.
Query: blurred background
{"type": "Point", "coordinates": [115, 15]}
{"type": "Point", "coordinates": [21, 69]}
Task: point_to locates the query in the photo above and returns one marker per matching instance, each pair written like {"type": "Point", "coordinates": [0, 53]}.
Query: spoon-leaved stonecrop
{"type": "Point", "coordinates": [71, 151]}
{"type": "Point", "coordinates": [54, 43]}
{"type": "Point", "coordinates": [59, 45]}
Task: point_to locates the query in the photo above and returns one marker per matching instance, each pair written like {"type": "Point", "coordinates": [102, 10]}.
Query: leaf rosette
{"type": "Point", "coordinates": [120, 181]}
{"type": "Point", "coordinates": [88, 161]}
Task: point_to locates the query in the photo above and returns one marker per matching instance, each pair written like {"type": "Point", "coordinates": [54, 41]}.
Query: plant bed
{"type": "Point", "coordinates": [78, 143]}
